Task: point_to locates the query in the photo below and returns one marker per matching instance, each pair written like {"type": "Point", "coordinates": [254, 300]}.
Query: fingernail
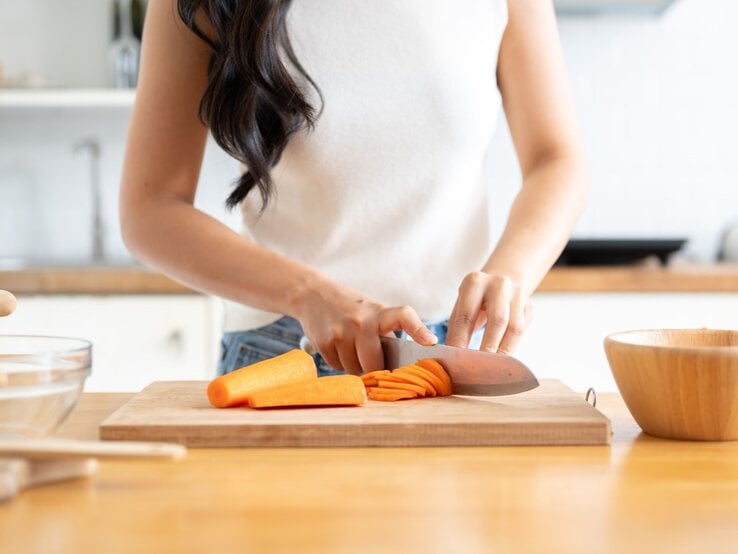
{"type": "Point", "coordinates": [430, 337]}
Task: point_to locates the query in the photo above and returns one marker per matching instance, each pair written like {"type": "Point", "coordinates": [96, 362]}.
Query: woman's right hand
{"type": "Point", "coordinates": [344, 327]}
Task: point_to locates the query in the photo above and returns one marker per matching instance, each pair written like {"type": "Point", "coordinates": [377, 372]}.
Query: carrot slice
{"type": "Point", "coordinates": [436, 369]}
{"type": "Point", "coordinates": [392, 376]}
{"type": "Point", "coordinates": [390, 395]}
{"type": "Point", "coordinates": [438, 385]}
{"type": "Point", "coordinates": [376, 373]}
{"type": "Point", "coordinates": [334, 390]}
{"type": "Point", "coordinates": [416, 377]}
{"type": "Point", "coordinates": [370, 379]}
{"type": "Point", "coordinates": [420, 391]}
{"type": "Point", "coordinates": [235, 388]}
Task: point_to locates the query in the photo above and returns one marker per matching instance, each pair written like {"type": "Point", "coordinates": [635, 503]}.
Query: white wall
{"type": "Point", "coordinates": [63, 41]}
{"type": "Point", "coordinates": [656, 98]}
{"type": "Point", "coordinates": [658, 103]}
{"type": "Point", "coordinates": [45, 206]}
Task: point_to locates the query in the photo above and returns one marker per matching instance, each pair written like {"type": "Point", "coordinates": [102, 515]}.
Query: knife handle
{"type": "Point", "coordinates": [307, 346]}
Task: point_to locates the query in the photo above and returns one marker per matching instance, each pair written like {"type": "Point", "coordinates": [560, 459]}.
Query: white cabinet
{"type": "Point", "coordinates": [136, 339]}
{"type": "Point", "coordinates": [565, 338]}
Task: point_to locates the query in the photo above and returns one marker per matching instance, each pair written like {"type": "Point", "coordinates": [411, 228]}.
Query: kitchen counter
{"type": "Point", "coordinates": [681, 278]}
{"type": "Point", "coordinates": [89, 280]}
{"type": "Point", "coordinates": [137, 280]}
{"type": "Point", "coordinates": [641, 494]}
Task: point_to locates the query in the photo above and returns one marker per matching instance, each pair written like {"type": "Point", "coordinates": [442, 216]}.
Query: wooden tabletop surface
{"type": "Point", "coordinates": [139, 280]}
{"type": "Point", "coordinates": [641, 494]}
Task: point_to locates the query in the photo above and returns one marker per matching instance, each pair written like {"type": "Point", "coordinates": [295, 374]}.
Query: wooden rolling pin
{"type": "Point", "coordinates": [70, 448]}
{"type": "Point", "coordinates": [17, 474]}
{"type": "Point", "coordinates": [7, 303]}
{"type": "Point", "coordinates": [28, 463]}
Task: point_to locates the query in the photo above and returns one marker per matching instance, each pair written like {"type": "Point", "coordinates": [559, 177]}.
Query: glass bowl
{"type": "Point", "coordinates": [41, 379]}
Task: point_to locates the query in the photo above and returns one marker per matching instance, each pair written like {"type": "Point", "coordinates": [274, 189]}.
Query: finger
{"type": "Point", "coordinates": [497, 307]}
{"type": "Point", "coordinates": [328, 351]}
{"type": "Point", "coordinates": [369, 351]}
{"type": "Point", "coordinates": [516, 326]}
{"type": "Point", "coordinates": [465, 313]}
{"type": "Point", "coordinates": [404, 318]}
{"type": "Point", "coordinates": [347, 354]}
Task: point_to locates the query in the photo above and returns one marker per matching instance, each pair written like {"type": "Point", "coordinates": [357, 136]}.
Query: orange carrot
{"type": "Point", "coordinates": [391, 376]}
{"type": "Point", "coordinates": [370, 379]}
{"type": "Point", "coordinates": [438, 384]}
{"type": "Point", "coordinates": [389, 395]}
{"type": "Point", "coordinates": [334, 390]}
{"type": "Point", "coordinates": [420, 391]}
{"type": "Point", "coordinates": [235, 388]}
{"type": "Point", "coordinates": [418, 376]}
{"type": "Point", "coordinates": [375, 374]}
{"type": "Point", "coordinates": [436, 369]}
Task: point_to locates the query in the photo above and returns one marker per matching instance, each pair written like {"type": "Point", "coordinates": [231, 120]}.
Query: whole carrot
{"type": "Point", "coordinates": [334, 390]}
{"type": "Point", "coordinates": [235, 388]}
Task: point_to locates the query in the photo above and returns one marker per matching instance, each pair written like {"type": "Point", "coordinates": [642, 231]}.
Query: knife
{"type": "Point", "coordinates": [472, 372]}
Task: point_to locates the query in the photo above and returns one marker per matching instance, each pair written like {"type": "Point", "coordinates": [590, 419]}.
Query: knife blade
{"type": "Point", "coordinates": [472, 372]}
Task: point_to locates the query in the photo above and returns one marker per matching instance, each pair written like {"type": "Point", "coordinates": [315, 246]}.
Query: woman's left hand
{"type": "Point", "coordinates": [496, 300]}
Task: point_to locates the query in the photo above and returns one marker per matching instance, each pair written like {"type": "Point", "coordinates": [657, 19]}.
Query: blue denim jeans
{"type": "Point", "coordinates": [242, 348]}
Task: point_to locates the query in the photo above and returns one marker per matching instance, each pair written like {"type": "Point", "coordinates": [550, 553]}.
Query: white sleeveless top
{"type": "Point", "coordinates": [387, 193]}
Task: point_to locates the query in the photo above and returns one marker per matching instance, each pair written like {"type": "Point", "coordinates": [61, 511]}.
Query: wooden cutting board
{"type": "Point", "coordinates": [178, 411]}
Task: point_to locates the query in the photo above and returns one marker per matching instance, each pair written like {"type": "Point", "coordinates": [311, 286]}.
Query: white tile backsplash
{"type": "Point", "coordinates": [657, 99]}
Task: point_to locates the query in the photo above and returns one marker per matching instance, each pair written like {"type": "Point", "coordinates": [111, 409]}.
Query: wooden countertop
{"type": "Point", "coordinates": [137, 280]}
{"type": "Point", "coordinates": [89, 280]}
{"type": "Point", "coordinates": [641, 494]}
{"type": "Point", "coordinates": [682, 278]}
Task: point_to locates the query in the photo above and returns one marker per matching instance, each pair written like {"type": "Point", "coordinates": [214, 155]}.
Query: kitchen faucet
{"type": "Point", "coordinates": [92, 146]}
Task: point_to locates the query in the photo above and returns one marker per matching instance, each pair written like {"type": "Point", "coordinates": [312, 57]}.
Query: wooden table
{"type": "Point", "coordinates": [640, 495]}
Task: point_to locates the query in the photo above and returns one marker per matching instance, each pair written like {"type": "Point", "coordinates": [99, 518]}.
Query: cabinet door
{"type": "Point", "coordinates": [136, 339]}
{"type": "Point", "coordinates": [565, 339]}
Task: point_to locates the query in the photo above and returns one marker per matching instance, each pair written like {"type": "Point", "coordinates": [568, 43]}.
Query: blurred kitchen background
{"type": "Point", "coordinates": [655, 83]}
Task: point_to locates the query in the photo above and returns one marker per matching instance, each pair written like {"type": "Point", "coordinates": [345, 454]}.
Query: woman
{"type": "Point", "coordinates": [363, 128]}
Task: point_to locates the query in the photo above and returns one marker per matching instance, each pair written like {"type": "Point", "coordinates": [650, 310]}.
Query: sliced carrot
{"type": "Point", "coordinates": [420, 391]}
{"type": "Point", "coordinates": [235, 388]}
{"type": "Point", "coordinates": [438, 385]}
{"type": "Point", "coordinates": [375, 374]}
{"type": "Point", "coordinates": [414, 375]}
{"type": "Point", "coordinates": [436, 369]}
{"type": "Point", "coordinates": [389, 395]}
{"type": "Point", "coordinates": [334, 390]}
{"type": "Point", "coordinates": [392, 376]}
{"type": "Point", "coordinates": [370, 379]}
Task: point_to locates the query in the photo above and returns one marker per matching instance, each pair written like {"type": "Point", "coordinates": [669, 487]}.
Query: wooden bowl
{"type": "Point", "coordinates": [678, 383]}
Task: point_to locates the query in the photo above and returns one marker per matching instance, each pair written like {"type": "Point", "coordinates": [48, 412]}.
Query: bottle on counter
{"type": "Point", "coordinates": [125, 48]}
{"type": "Point", "coordinates": [138, 10]}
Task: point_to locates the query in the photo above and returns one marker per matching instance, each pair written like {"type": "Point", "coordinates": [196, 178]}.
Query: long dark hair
{"type": "Point", "coordinates": [252, 104]}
